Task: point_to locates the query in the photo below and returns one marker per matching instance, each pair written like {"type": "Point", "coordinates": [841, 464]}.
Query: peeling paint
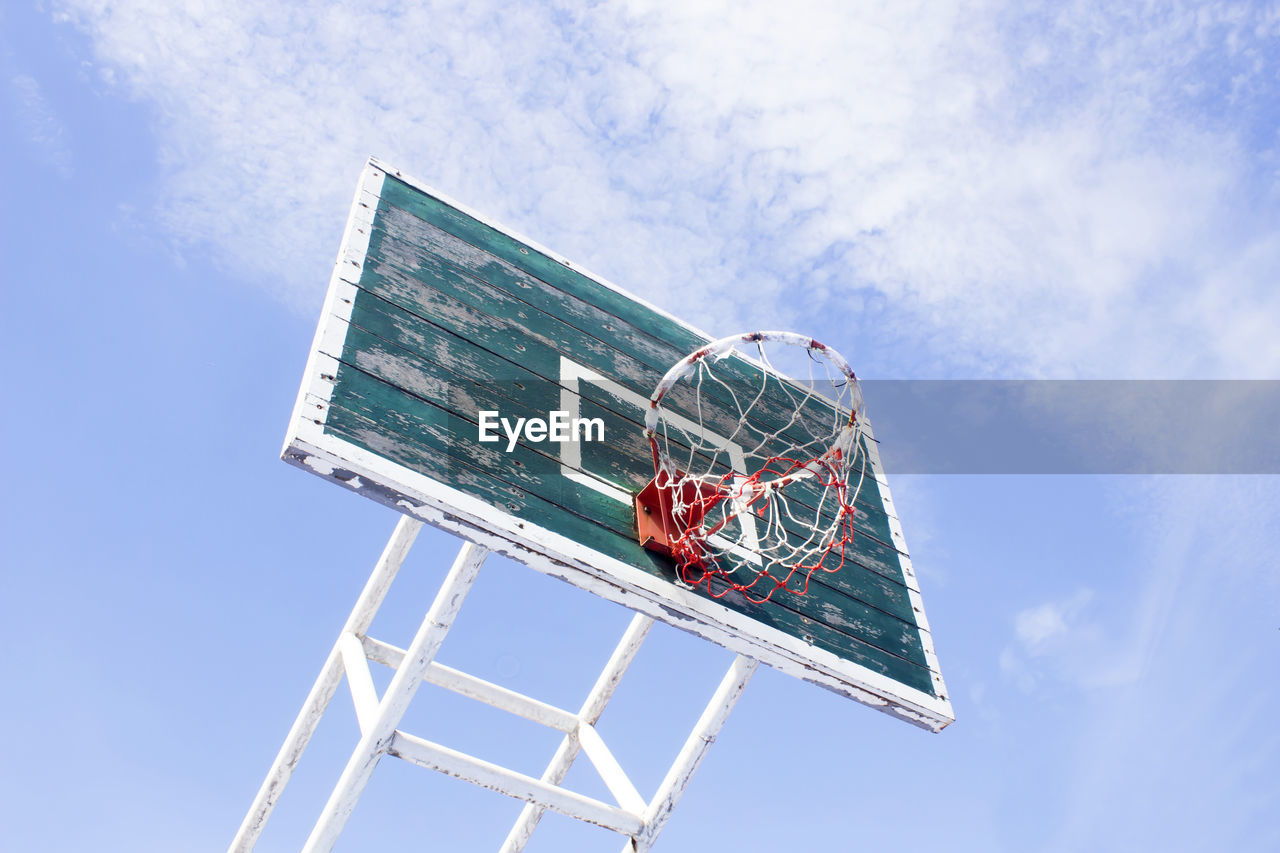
{"type": "Point", "coordinates": [318, 465]}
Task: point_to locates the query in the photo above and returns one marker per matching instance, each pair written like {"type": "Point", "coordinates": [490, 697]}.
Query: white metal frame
{"type": "Point", "coordinates": [379, 720]}
{"type": "Point", "coordinates": [308, 445]}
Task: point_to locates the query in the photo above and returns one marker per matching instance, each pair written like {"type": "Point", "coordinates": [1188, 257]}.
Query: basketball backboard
{"type": "Point", "coordinates": [464, 375]}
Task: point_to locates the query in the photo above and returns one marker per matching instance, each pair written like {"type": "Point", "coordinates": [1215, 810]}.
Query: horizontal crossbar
{"type": "Point", "coordinates": [477, 688]}
{"type": "Point", "coordinates": [488, 775]}
{"type": "Point", "coordinates": [524, 706]}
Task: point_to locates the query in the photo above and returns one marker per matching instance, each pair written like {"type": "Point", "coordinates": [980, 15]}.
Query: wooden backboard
{"type": "Point", "coordinates": [435, 316]}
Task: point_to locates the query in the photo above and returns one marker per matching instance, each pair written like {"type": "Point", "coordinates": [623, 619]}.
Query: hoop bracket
{"type": "Point", "coordinates": [657, 527]}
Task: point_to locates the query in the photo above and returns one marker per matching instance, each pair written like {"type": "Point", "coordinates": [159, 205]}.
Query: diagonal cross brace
{"type": "Point", "coordinates": [601, 692]}
{"type": "Point", "coordinates": [404, 684]}
{"type": "Point", "coordinates": [695, 749]}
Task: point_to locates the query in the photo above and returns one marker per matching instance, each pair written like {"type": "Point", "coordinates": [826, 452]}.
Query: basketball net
{"type": "Point", "coordinates": [757, 473]}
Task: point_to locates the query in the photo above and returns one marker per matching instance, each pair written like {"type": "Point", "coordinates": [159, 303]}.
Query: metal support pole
{"type": "Point", "coordinates": [371, 598]}
{"type": "Point", "coordinates": [379, 720]}
{"type": "Point", "coordinates": [592, 708]}
{"type": "Point", "coordinates": [404, 684]}
{"type": "Point", "coordinates": [694, 750]}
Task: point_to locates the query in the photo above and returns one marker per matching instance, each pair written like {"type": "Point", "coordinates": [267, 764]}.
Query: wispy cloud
{"type": "Point", "coordinates": [1062, 640]}
{"type": "Point", "coordinates": [1178, 757]}
{"type": "Point", "coordinates": [41, 124]}
{"type": "Point", "coordinates": [958, 187]}
{"type": "Point", "coordinates": [1038, 625]}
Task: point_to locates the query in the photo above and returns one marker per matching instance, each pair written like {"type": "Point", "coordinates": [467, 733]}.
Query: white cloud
{"type": "Point", "coordinates": [1199, 550]}
{"type": "Point", "coordinates": [41, 124]}
{"type": "Point", "coordinates": [1075, 642]}
{"type": "Point", "coordinates": [955, 187]}
{"type": "Point", "coordinates": [1059, 639]}
{"type": "Point", "coordinates": [1038, 625]}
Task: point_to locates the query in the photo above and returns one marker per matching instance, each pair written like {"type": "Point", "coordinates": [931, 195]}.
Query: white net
{"type": "Point", "coordinates": [759, 472]}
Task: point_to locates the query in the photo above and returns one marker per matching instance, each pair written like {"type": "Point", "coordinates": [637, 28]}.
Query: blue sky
{"type": "Point", "coordinates": [948, 190]}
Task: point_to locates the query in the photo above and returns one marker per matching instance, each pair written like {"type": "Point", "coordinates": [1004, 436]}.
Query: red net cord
{"type": "Point", "coordinates": [699, 565]}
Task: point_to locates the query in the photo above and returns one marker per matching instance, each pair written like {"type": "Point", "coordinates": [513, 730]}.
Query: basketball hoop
{"type": "Point", "coordinates": [768, 501]}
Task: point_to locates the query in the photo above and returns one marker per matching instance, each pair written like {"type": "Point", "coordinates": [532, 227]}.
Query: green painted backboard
{"type": "Point", "coordinates": [435, 317]}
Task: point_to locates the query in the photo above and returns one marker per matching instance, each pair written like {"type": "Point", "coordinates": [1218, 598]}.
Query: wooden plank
{"type": "Point", "coordinates": [532, 509]}
{"type": "Point", "coordinates": [408, 420]}
{"type": "Point", "coordinates": [542, 282]}
{"type": "Point", "coordinates": [472, 311]}
{"type": "Point", "coordinates": [435, 258]}
{"type": "Point", "coordinates": [534, 263]}
{"type": "Point", "coordinates": [405, 369]}
{"type": "Point", "coordinates": [420, 247]}
{"type": "Point", "coordinates": [385, 420]}
{"type": "Point", "coordinates": [624, 456]}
